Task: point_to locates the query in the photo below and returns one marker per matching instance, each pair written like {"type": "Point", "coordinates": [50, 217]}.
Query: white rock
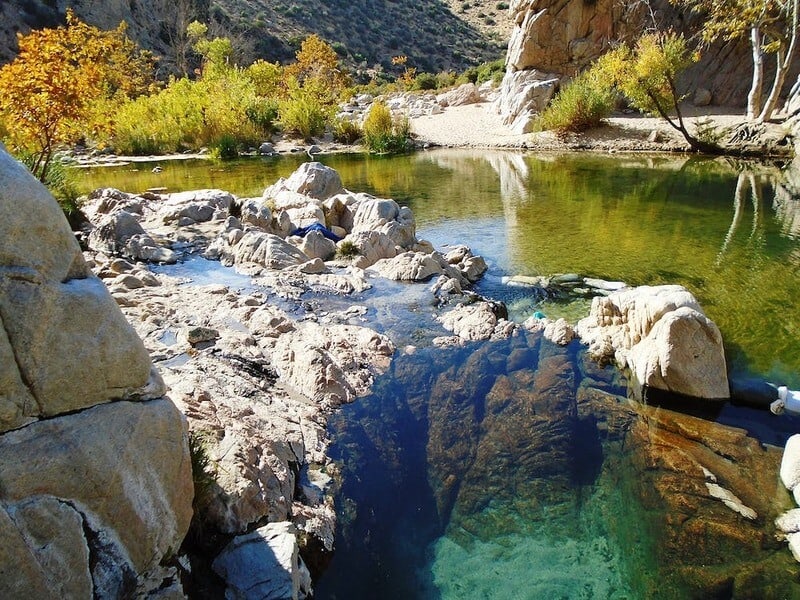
{"type": "Point", "coordinates": [790, 463]}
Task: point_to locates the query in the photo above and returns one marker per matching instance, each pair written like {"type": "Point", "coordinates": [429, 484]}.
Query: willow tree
{"type": "Point", "coordinates": [770, 25]}
{"type": "Point", "coordinates": [49, 91]}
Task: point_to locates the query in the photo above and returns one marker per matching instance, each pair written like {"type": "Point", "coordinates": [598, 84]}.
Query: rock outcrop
{"type": "Point", "coordinates": [256, 383]}
{"type": "Point", "coordinates": [661, 334]}
{"type": "Point", "coordinates": [552, 40]}
{"type": "Point", "coordinates": [95, 476]}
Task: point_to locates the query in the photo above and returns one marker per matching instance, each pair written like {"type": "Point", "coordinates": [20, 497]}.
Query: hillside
{"type": "Point", "coordinates": [436, 35]}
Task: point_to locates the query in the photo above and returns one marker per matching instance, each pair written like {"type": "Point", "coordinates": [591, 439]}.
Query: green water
{"type": "Point", "coordinates": [642, 220]}
{"type": "Point", "coordinates": [489, 471]}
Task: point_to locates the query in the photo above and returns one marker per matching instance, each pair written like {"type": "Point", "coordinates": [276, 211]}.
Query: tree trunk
{"type": "Point", "coordinates": [756, 89]}
{"type": "Point", "coordinates": [782, 65]}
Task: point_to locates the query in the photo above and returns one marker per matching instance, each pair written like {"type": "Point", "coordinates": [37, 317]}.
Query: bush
{"type": "Point", "coordinates": [303, 114]}
{"type": "Point", "coordinates": [445, 79]}
{"type": "Point", "coordinates": [425, 81]}
{"type": "Point", "coordinates": [225, 148]}
{"type": "Point", "coordinates": [384, 134]}
{"type": "Point", "coordinates": [347, 249]}
{"type": "Point", "coordinates": [263, 113]}
{"type": "Point", "coordinates": [346, 132]}
{"type": "Point", "coordinates": [580, 105]}
{"type": "Point", "coordinates": [58, 178]}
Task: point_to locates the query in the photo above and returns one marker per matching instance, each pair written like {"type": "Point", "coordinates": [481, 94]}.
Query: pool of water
{"type": "Point", "coordinates": [487, 471]}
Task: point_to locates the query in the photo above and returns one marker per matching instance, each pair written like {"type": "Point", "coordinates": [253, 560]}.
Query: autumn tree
{"type": "Point", "coordinates": [48, 92]}
{"type": "Point", "coordinates": [317, 66]}
{"type": "Point", "coordinates": [770, 25]}
{"type": "Point", "coordinates": [646, 74]}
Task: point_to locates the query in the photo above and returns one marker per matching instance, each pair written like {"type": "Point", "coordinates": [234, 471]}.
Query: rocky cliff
{"type": "Point", "coordinates": [555, 39]}
{"type": "Point", "coordinates": [95, 476]}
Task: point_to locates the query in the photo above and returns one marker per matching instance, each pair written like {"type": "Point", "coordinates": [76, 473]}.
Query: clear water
{"type": "Point", "coordinates": [478, 472]}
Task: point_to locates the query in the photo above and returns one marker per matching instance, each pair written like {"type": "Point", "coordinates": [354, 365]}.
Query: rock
{"type": "Point", "coordinates": [257, 214]}
{"type": "Point", "coordinates": [311, 179]}
{"type": "Point", "coordinates": [266, 149]}
{"type": "Point", "coordinates": [94, 497]}
{"type": "Point", "coordinates": [111, 233]}
{"type": "Point", "coordinates": [523, 95]}
{"type": "Point", "coordinates": [477, 321]}
{"type": "Point", "coordinates": [473, 268]}
{"type": "Point", "coordinates": [198, 335]}
{"type": "Point", "coordinates": [264, 564]}
{"type": "Point", "coordinates": [559, 332]}
{"type": "Point", "coordinates": [266, 250]}
{"type": "Point", "coordinates": [373, 246]}
{"type": "Point", "coordinates": [662, 335]}
{"type": "Point", "coordinates": [316, 362]}
{"type": "Point", "coordinates": [467, 93]}
{"type": "Point", "coordinates": [790, 463]}
{"type": "Point", "coordinates": [316, 245]}
{"type": "Point", "coordinates": [121, 234]}
{"type": "Point", "coordinates": [116, 478]}
{"type": "Point", "coordinates": [789, 522]}
{"type": "Point", "coordinates": [702, 97]}
{"type": "Point", "coordinates": [313, 267]}
{"type": "Point", "coordinates": [683, 353]}
{"type": "Point", "coordinates": [408, 266]}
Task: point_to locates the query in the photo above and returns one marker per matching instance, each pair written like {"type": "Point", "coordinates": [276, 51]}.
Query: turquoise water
{"type": "Point", "coordinates": [513, 469]}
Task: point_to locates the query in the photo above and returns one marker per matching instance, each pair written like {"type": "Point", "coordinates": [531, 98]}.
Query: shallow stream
{"type": "Point", "coordinates": [519, 469]}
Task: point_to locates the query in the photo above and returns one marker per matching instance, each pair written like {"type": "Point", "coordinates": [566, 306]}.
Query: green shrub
{"type": "Point", "coordinates": [347, 249]}
{"type": "Point", "coordinates": [425, 81]}
{"type": "Point", "coordinates": [383, 134]}
{"type": "Point", "coordinates": [58, 178]}
{"type": "Point", "coordinates": [225, 148]}
{"type": "Point", "coordinates": [303, 114]}
{"type": "Point", "coordinates": [346, 132]}
{"type": "Point", "coordinates": [445, 79]}
{"type": "Point", "coordinates": [580, 105]}
{"type": "Point", "coordinates": [263, 113]}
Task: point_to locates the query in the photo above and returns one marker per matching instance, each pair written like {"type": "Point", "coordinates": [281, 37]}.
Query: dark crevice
{"type": "Point", "coordinates": [112, 575]}
{"type": "Point", "coordinates": [22, 375]}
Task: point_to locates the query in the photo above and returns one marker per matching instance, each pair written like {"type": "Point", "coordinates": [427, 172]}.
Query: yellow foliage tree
{"type": "Point", "coordinates": [47, 93]}
{"type": "Point", "coordinates": [318, 64]}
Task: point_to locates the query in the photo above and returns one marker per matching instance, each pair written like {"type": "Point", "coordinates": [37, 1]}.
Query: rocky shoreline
{"type": "Point", "coordinates": [257, 365]}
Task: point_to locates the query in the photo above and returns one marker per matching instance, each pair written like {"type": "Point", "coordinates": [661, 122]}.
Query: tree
{"type": "Point", "coordinates": [48, 92]}
{"type": "Point", "coordinates": [646, 75]}
{"type": "Point", "coordinates": [771, 26]}
{"type": "Point", "coordinates": [318, 62]}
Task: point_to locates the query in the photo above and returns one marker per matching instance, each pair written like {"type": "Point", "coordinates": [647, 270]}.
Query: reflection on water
{"type": "Point", "coordinates": [727, 231]}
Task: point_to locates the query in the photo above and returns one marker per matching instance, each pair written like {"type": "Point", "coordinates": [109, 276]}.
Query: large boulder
{"type": "Point", "coordinates": [662, 335]}
{"type": "Point", "coordinates": [523, 95]}
{"type": "Point", "coordinates": [467, 93]}
{"type": "Point", "coordinates": [264, 564]}
{"type": "Point", "coordinates": [96, 495]}
{"type": "Point", "coordinates": [311, 179]}
{"type": "Point", "coordinates": [120, 233]}
{"type": "Point", "coordinates": [265, 250]}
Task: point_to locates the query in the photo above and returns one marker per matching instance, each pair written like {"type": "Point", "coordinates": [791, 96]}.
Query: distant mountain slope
{"type": "Point", "coordinates": [436, 35]}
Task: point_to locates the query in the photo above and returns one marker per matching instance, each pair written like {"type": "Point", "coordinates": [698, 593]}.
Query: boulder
{"type": "Point", "coordinates": [477, 321]}
{"type": "Point", "coordinates": [94, 497]}
{"type": "Point", "coordinates": [523, 95]}
{"type": "Point", "coordinates": [120, 234]}
{"type": "Point", "coordinates": [373, 246]}
{"type": "Point", "coordinates": [316, 245]}
{"type": "Point", "coordinates": [266, 250]}
{"type": "Point", "coordinates": [265, 564]}
{"type": "Point", "coordinates": [408, 266]}
{"type": "Point", "coordinates": [312, 179]}
{"type": "Point", "coordinates": [790, 463]}
{"type": "Point", "coordinates": [467, 93]}
{"type": "Point", "coordinates": [683, 353]}
{"type": "Point", "coordinates": [255, 213]}
{"type": "Point", "coordinates": [662, 335]}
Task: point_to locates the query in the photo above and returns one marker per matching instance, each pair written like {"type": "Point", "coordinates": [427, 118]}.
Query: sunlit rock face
{"type": "Point", "coordinates": [559, 38]}
{"type": "Point", "coordinates": [95, 477]}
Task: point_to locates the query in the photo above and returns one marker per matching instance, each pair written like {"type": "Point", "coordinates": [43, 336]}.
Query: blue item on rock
{"type": "Point", "coordinates": [302, 231]}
